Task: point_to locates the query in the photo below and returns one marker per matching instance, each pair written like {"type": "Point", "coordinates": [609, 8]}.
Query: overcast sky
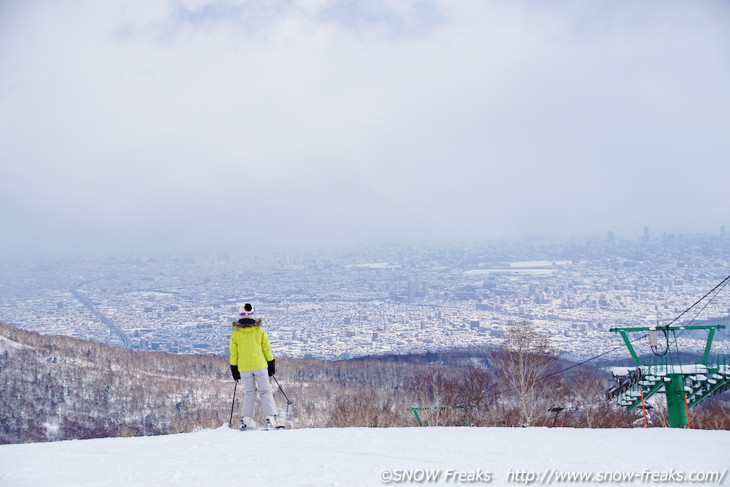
{"type": "Point", "coordinates": [207, 124]}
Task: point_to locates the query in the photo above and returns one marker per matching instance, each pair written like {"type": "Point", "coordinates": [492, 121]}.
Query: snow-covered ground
{"type": "Point", "coordinates": [373, 457]}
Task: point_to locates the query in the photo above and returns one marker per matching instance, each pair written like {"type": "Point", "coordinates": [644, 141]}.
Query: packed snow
{"type": "Point", "coordinates": [373, 457]}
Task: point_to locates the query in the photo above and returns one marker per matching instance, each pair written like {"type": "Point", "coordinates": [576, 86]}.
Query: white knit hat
{"type": "Point", "coordinates": [247, 311]}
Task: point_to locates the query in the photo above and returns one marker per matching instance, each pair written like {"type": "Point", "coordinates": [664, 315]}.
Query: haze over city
{"type": "Point", "coordinates": [216, 126]}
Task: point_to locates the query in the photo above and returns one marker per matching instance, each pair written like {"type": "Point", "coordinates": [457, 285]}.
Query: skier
{"type": "Point", "coordinates": [252, 361]}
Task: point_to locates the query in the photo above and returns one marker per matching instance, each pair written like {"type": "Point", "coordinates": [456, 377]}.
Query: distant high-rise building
{"type": "Point", "coordinates": [645, 236]}
{"type": "Point", "coordinates": [722, 231]}
{"type": "Point", "coordinates": [419, 286]}
{"type": "Point", "coordinates": [611, 238]}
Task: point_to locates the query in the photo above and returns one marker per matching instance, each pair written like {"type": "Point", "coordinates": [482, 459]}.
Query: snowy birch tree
{"type": "Point", "coordinates": [524, 364]}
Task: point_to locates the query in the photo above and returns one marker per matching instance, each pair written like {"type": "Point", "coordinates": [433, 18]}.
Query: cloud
{"type": "Point", "coordinates": [165, 123]}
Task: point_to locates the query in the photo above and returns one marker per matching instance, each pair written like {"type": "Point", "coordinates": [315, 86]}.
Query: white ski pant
{"type": "Point", "coordinates": [257, 381]}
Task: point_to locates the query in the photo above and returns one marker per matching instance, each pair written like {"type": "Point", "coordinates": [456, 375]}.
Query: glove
{"type": "Point", "coordinates": [272, 367]}
{"type": "Point", "coordinates": [235, 373]}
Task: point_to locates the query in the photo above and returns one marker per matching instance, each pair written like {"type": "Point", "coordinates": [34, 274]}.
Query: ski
{"type": "Point", "coordinates": [253, 426]}
{"type": "Point", "coordinates": [263, 428]}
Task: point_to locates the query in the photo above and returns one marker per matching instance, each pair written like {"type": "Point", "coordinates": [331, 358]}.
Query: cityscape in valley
{"type": "Point", "coordinates": [382, 299]}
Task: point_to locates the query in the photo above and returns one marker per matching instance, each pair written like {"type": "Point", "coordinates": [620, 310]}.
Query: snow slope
{"type": "Point", "coordinates": [358, 457]}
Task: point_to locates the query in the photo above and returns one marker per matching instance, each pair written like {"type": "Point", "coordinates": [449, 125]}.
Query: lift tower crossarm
{"type": "Point", "coordinates": [622, 330]}
{"type": "Point", "coordinates": [669, 328]}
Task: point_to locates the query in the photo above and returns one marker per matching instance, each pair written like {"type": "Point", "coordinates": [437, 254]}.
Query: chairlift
{"type": "Point", "coordinates": [684, 385]}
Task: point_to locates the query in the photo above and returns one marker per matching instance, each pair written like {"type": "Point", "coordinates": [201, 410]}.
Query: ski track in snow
{"type": "Point", "coordinates": [354, 456]}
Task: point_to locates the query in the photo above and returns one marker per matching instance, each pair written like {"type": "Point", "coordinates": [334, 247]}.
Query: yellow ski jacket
{"type": "Point", "coordinates": [250, 347]}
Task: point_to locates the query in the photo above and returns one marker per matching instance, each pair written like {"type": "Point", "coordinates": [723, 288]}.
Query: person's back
{"type": "Point", "coordinates": [253, 362]}
{"type": "Point", "coordinates": [250, 347]}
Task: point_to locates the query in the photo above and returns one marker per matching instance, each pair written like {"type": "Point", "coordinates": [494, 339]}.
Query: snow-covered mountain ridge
{"type": "Point", "coordinates": [372, 457]}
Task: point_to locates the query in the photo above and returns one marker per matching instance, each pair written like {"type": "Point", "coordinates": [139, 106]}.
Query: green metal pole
{"type": "Point", "coordinates": [676, 407]}
{"type": "Point", "coordinates": [630, 347]}
{"type": "Point", "coordinates": [706, 356]}
{"type": "Point", "coordinates": [418, 418]}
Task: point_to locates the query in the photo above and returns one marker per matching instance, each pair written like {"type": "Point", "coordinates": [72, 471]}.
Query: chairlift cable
{"type": "Point", "coordinates": [676, 335]}
{"type": "Point", "coordinates": [719, 288]}
{"type": "Point", "coordinates": [720, 285]}
{"type": "Point", "coordinates": [552, 374]}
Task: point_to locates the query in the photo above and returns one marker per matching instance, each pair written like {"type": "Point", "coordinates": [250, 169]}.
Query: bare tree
{"type": "Point", "coordinates": [525, 365]}
{"type": "Point", "coordinates": [585, 396]}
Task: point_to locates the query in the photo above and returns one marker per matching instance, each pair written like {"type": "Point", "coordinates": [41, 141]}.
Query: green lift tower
{"type": "Point", "coordinates": [684, 385]}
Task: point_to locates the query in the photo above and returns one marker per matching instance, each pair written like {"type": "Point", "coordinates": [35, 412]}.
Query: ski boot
{"type": "Point", "coordinates": [272, 423]}
{"type": "Point", "coordinates": [247, 424]}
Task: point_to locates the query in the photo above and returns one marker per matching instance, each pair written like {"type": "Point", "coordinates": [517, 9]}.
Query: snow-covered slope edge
{"type": "Point", "coordinates": [367, 457]}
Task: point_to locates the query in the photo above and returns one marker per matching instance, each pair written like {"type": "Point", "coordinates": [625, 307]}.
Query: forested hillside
{"type": "Point", "coordinates": [56, 388]}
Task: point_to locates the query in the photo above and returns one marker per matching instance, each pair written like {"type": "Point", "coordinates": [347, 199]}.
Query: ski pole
{"type": "Point", "coordinates": [288, 402]}
{"type": "Point", "coordinates": [230, 421]}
